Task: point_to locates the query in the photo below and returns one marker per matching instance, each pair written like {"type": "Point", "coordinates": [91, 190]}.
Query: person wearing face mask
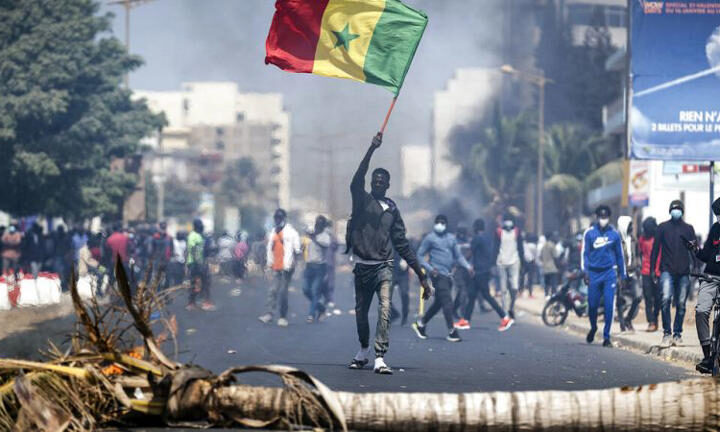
{"type": "Point", "coordinates": [602, 260]}
{"type": "Point", "coordinates": [672, 237]}
{"type": "Point", "coordinates": [316, 267]}
{"type": "Point", "coordinates": [710, 255]}
{"type": "Point", "coordinates": [509, 253]}
{"type": "Point", "coordinates": [283, 246]}
{"type": "Point", "coordinates": [444, 251]}
{"type": "Point", "coordinates": [374, 229]}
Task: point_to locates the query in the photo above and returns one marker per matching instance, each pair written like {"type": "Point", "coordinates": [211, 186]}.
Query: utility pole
{"type": "Point", "coordinates": [127, 4]}
{"type": "Point", "coordinates": [540, 81]}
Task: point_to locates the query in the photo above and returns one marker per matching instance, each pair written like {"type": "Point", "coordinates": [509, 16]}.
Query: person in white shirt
{"type": "Point", "coordinates": [509, 253]}
{"type": "Point", "coordinates": [282, 248]}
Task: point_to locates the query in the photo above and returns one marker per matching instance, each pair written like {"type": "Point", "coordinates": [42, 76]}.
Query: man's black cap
{"type": "Point", "coordinates": [441, 218]}
{"type": "Point", "coordinates": [603, 211]}
{"type": "Point", "coordinates": [677, 204]}
{"type": "Point", "coordinates": [716, 207]}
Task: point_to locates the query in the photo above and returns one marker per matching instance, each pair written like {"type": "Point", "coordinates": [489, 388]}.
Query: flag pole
{"type": "Point", "coordinates": [387, 116]}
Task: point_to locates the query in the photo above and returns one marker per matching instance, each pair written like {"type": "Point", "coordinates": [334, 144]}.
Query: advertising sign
{"type": "Point", "coordinates": [675, 72]}
{"type": "Point", "coordinates": [639, 184]}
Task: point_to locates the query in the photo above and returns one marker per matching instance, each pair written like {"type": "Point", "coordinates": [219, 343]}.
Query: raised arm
{"type": "Point", "coordinates": [358, 181]}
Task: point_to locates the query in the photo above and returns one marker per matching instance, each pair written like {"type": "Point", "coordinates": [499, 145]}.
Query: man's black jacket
{"type": "Point", "coordinates": [710, 253]}
{"type": "Point", "coordinates": [372, 232]}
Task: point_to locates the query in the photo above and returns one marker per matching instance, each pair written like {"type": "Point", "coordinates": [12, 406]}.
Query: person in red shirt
{"type": "Point", "coordinates": [118, 244]}
{"type": "Point", "coordinates": [651, 290]}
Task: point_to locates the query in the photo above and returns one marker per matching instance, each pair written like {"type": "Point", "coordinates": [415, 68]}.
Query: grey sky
{"type": "Point", "coordinates": [194, 40]}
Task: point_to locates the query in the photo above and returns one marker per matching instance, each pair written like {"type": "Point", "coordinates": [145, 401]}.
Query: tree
{"type": "Point", "coordinates": [63, 115]}
{"type": "Point", "coordinates": [180, 201]}
{"type": "Point", "coordinates": [572, 153]}
{"type": "Point", "coordinates": [240, 188]}
{"type": "Point", "coordinates": [500, 158]}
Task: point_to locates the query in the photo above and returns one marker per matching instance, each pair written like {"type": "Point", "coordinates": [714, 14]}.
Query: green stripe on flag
{"type": "Point", "coordinates": [393, 45]}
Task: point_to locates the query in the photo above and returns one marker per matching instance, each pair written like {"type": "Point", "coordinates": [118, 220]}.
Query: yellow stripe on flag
{"type": "Point", "coordinates": [345, 33]}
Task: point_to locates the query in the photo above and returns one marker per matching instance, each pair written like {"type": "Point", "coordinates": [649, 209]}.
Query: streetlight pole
{"type": "Point", "coordinates": [541, 153]}
{"type": "Point", "coordinates": [539, 80]}
{"type": "Point", "coordinates": [127, 4]}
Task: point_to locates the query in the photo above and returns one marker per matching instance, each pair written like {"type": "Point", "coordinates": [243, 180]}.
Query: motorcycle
{"type": "Point", "coordinates": [558, 306]}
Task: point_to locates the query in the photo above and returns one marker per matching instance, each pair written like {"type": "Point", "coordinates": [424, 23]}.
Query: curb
{"type": "Point", "coordinates": [669, 354]}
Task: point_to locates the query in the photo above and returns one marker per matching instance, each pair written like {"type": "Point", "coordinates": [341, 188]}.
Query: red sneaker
{"type": "Point", "coordinates": [506, 323]}
{"type": "Point", "coordinates": [462, 324]}
{"type": "Point", "coordinates": [208, 307]}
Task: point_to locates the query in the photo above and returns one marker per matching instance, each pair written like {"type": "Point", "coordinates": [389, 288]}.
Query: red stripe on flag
{"type": "Point", "coordinates": [294, 34]}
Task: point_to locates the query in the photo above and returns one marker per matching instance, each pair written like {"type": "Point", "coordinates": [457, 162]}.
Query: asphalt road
{"type": "Point", "coordinates": [527, 357]}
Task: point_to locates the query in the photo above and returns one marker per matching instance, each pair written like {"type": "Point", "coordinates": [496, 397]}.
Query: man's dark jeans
{"type": "Point", "coordinates": [481, 286]}
{"type": "Point", "coordinates": [371, 280]}
{"type": "Point", "coordinates": [675, 289]}
{"type": "Point", "coordinates": [279, 292]}
{"type": "Point", "coordinates": [314, 279]}
{"type": "Point", "coordinates": [653, 299]}
{"type": "Point", "coordinates": [443, 300]}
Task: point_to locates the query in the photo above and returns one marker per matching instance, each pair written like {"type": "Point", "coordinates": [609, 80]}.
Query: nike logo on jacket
{"type": "Point", "coordinates": [602, 250]}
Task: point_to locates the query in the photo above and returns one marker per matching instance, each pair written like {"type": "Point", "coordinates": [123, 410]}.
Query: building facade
{"type": "Point", "coordinates": [211, 124]}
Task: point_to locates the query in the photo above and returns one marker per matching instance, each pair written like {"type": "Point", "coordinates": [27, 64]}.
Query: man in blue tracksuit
{"type": "Point", "coordinates": [602, 258]}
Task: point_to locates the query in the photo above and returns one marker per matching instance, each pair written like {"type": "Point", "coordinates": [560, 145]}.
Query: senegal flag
{"type": "Point", "coordinates": [372, 41]}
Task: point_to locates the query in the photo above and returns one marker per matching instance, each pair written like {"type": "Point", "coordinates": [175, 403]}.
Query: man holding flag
{"type": "Point", "coordinates": [375, 227]}
{"type": "Point", "coordinates": [372, 41]}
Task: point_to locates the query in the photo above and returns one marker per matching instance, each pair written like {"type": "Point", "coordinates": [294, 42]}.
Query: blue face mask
{"type": "Point", "coordinates": [676, 213]}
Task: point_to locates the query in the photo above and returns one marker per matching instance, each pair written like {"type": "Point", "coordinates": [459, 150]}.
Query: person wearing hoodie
{"type": "Point", "coordinates": [376, 228]}
{"type": "Point", "coordinates": [672, 237]}
{"type": "Point", "coordinates": [629, 288]}
{"type": "Point", "coordinates": [509, 255]}
{"type": "Point", "coordinates": [651, 291]}
{"type": "Point", "coordinates": [710, 255]}
{"type": "Point", "coordinates": [602, 260]}
{"type": "Point", "coordinates": [483, 261]}
{"type": "Point", "coordinates": [444, 252]}
{"type": "Point", "coordinates": [283, 246]}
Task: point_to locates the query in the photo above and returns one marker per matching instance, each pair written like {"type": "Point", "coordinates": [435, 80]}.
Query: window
{"type": "Point", "coordinates": [240, 117]}
{"type": "Point", "coordinates": [616, 16]}
{"type": "Point", "coordinates": [580, 14]}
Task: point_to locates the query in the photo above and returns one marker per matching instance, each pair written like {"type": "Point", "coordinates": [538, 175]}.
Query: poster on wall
{"type": "Point", "coordinates": [639, 183]}
{"type": "Point", "coordinates": [675, 75]}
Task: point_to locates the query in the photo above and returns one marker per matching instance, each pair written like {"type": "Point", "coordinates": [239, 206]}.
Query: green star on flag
{"type": "Point", "coordinates": [344, 37]}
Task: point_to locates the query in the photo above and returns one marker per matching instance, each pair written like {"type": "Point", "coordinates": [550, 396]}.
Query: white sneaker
{"type": "Point", "coordinates": [282, 322]}
{"type": "Point", "coordinates": [265, 318]}
{"type": "Point", "coordinates": [381, 367]}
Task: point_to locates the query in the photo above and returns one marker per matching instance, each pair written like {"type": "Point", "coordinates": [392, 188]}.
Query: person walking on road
{"type": "Point", "coordinates": [548, 260]}
{"type": "Point", "coordinates": [316, 268]}
{"type": "Point", "coordinates": [479, 290]}
{"type": "Point", "coordinates": [509, 253]}
{"type": "Point", "coordinates": [672, 237]}
{"type": "Point", "coordinates": [629, 288]}
{"type": "Point", "coordinates": [283, 247]}
{"type": "Point", "coordinates": [461, 279]}
{"type": "Point", "coordinates": [710, 255]}
{"type": "Point", "coordinates": [444, 252]}
{"type": "Point", "coordinates": [602, 261]}
{"type": "Point", "coordinates": [374, 229]}
{"type": "Point", "coordinates": [651, 291]}
{"type": "Point", "coordinates": [198, 268]}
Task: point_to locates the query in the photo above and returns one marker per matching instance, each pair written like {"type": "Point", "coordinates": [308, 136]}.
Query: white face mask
{"type": "Point", "coordinates": [439, 228]}
{"type": "Point", "coordinates": [508, 224]}
{"type": "Point", "coordinates": [603, 222]}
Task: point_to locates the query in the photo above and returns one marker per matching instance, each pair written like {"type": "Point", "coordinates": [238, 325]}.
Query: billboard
{"type": "Point", "coordinates": [675, 73]}
{"type": "Point", "coordinates": [639, 184]}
